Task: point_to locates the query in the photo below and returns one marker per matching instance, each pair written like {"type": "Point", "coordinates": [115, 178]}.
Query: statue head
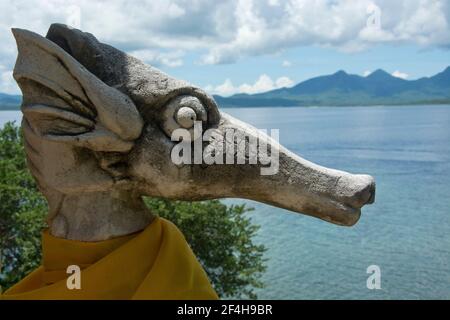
{"type": "Point", "coordinates": [98, 120]}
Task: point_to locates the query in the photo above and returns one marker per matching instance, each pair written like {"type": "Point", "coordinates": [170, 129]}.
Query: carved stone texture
{"type": "Point", "coordinates": [97, 126]}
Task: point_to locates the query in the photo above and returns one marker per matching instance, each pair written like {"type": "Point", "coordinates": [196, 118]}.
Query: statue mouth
{"type": "Point", "coordinates": [342, 203]}
{"type": "Point", "coordinates": [327, 207]}
{"type": "Point", "coordinates": [351, 212]}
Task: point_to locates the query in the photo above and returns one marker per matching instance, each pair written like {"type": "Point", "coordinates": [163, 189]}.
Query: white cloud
{"type": "Point", "coordinates": [399, 74]}
{"type": "Point", "coordinates": [7, 82]}
{"type": "Point", "coordinates": [225, 31]}
{"type": "Point", "coordinates": [226, 88]}
{"type": "Point", "coordinates": [366, 73]}
{"type": "Point", "coordinates": [284, 82]}
{"type": "Point", "coordinates": [175, 11]}
{"type": "Point", "coordinates": [155, 57]}
{"type": "Point", "coordinates": [344, 25]}
{"type": "Point", "coordinates": [262, 84]}
{"type": "Point", "coordinates": [286, 64]}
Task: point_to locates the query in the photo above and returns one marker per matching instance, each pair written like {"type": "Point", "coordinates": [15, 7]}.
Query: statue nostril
{"type": "Point", "coordinates": [372, 193]}
{"type": "Point", "coordinates": [358, 190]}
{"type": "Point", "coordinates": [367, 194]}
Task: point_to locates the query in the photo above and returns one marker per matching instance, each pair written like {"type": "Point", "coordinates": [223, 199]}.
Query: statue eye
{"type": "Point", "coordinates": [182, 112]}
{"type": "Point", "coordinates": [186, 117]}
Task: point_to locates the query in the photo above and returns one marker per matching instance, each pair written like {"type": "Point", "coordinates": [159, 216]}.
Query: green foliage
{"type": "Point", "coordinates": [22, 210]}
{"type": "Point", "coordinates": [220, 235]}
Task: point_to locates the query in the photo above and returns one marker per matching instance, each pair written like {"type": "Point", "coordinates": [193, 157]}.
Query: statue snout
{"type": "Point", "coordinates": [356, 190]}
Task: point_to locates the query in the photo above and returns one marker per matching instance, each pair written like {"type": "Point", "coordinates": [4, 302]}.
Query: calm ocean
{"type": "Point", "coordinates": [406, 232]}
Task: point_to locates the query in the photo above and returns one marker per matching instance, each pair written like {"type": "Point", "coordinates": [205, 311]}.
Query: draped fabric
{"type": "Point", "coordinates": [156, 263]}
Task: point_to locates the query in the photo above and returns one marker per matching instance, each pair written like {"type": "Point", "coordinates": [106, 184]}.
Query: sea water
{"type": "Point", "coordinates": [406, 233]}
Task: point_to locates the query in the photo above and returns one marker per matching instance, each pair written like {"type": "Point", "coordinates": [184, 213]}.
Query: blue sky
{"type": "Point", "coordinates": [250, 46]}
{"type": "Point", "coordinates": [306, 62]}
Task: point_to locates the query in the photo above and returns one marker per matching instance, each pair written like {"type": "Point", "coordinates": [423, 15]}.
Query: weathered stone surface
{"type": "Point", "coordinates": [97, 125]}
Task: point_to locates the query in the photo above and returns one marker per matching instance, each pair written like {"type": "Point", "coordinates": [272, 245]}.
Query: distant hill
{"type": "Point", "coordinates": [338, 89]}
{"type": "Point", "coordinates": [343, 89]}
{"type": "Point", "coordinates": [10, 102]}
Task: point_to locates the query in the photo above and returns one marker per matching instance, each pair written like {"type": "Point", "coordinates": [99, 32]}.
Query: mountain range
{"type": "Point", "coordinates": [343, 89]}
{"type": "Point", "coordinates": [9, 102]}
{"type": "Point", "coordinates": [338, 89]}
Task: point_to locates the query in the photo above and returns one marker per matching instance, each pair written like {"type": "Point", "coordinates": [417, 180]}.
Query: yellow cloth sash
{"type": "Point", "coordinates": [156, 263]}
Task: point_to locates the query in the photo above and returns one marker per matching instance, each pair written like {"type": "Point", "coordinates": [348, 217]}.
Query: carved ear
{"type": "Point", "coordinates": [64, 102]}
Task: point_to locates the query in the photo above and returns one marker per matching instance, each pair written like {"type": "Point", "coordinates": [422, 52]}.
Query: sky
{"type": "Point", "coordinates": [245, 46]}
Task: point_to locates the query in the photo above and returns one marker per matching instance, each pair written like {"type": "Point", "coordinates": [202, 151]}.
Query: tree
{"type": "Point", "coordinates": [221, 236]}
{"type": "Point", "coordinates": [22, 210]}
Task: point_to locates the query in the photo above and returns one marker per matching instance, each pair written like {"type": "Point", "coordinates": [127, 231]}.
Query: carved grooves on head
{"type": "Point", "coordinates": [64, 103]}
{"type": "Point", "coordinates": [42, 61]}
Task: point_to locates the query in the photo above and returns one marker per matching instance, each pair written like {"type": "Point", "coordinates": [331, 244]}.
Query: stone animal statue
{"type": "Point", "coordinates": [97, 126]}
